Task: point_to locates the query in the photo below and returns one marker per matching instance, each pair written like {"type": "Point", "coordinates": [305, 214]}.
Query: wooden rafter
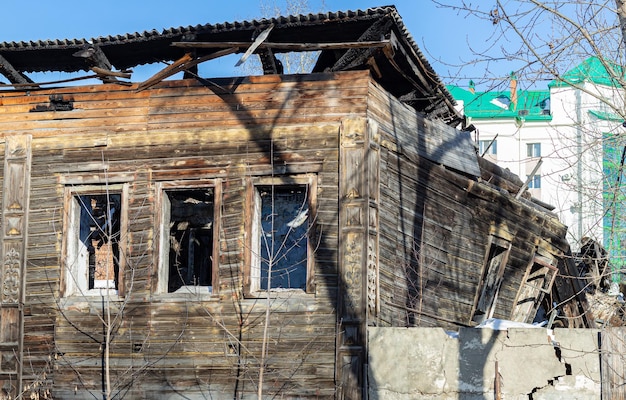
{"type": "Point", "coordinates": [12, 74]}
{"type": "Point", "coordinates": [182, 64]}
{"type": "Point", "coordinates": [358, 56]}
{"type": "Point", "coordinates": [286, 46]}
{"type": "Point", "coordinates": [414, 72]}
{"type": "Point", "coordinates": [271, 65]}
{"type": "Point", "coordinates": [99, 63]}
{"type": "Point", "coordinates": [257, 42]}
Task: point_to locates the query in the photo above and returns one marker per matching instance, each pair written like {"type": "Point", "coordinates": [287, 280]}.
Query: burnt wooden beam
{"type": "Point", "coordinates": [271, 64]}
{"type": "Point", "coordinates": [100, 64]}
{"type": "Point", "coordinates": [12, 74]}
{"type": "Point", "coordinates": [416, 75]}
{"type": "Point", "coordinates": [286, 46]}
{"type": "Point", "coordinates": [257, 42]}
{"type": "Point", "coordinates": [358, 56]}
{"type": "Point", "coordinates": [184, 63]}
{"type": "Point", "coordinates": [106, 72]}
{"type": "Point", "coordinates": [94, 55]}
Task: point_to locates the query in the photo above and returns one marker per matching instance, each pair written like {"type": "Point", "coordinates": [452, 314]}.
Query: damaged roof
{"type": "Point", "coordinates": [374, 39]}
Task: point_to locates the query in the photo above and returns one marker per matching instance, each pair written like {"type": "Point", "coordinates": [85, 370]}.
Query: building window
{"type": "Point", "coordinates": [280, 241]}
{"type": "Point", "coordinates": [545, 106]}
{"type": "Point", "coordinates": [491, 278]}
{"type": "Point", "coordinates": [486, 147]}
{"type": "Point", "coordinates": [533, 150]}
{"type": "Point", "coordinates": [534, 182]}
{"type": "Point", "coordinates": [188, 239]}
{"type": "Point", "coordinates": [94, 223]}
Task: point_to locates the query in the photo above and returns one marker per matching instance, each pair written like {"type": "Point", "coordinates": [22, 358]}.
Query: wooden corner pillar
{"type": "Point", "coordinates": [15, 193]}
{"type": "Point", "coordinates": [358, 253]}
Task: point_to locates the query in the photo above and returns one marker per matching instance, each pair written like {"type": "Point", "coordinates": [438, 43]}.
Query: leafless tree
{"type": "Point", "coordinates": [292, 63]}
{"type": "Point", "coordinates": [542, 40]}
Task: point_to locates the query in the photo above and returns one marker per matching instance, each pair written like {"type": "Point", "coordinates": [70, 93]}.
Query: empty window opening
{"type": "Point", "coordinates": [100, 233]}
{"type": "Point", "coordinates": [537, 282]}
{"type": "Point", "coordinates": [280, 237]}
{"type": "Point", "coordinates": [491, 280]}
{"type": "Point", "coordinates": [189, 218]}
{"type": "Point", "coordinates": [93, 240]}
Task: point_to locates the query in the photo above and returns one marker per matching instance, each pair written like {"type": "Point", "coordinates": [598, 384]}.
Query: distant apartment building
{"type": "Point", "coordinates": [567, 142]}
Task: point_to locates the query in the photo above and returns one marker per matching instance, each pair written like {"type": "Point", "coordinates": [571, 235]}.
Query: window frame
{"type": "Point", "coordinates": [75, 280]}
{"type": "Point", "coordinates": [533, 150]}
{"type": "Point", "coordinates": [160, 286]}
{"type": "Point", "coordinates": [534, 182]}
{"type": "Point", "coordinates": [493, 149]}
{"type": "Point", "coordinates": [252, 273]}
{"type": "Point", "coordinates": [492, 275]}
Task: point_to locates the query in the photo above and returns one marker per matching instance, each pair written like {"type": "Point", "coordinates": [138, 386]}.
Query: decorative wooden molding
{"type": "Point", "coordinates": [15, 199]}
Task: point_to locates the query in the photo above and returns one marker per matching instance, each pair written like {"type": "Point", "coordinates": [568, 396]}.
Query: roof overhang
{"type": "Point", "coordinates": [374, 39]}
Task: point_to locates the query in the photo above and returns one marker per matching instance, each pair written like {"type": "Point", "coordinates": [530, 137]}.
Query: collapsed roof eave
{"type": "Point", "coordinates": [374, 39]}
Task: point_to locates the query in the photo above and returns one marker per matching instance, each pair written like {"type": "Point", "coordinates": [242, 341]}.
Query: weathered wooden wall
{"type": "Point", "coordinates": [181, 130]}
{"type": "Point", "coordinates": [435, 224]}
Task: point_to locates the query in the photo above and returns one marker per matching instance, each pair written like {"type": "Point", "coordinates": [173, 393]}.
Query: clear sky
{"type": "Point", "coordinates": [441, 34]}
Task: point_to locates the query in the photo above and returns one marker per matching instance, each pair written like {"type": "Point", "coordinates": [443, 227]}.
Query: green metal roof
{"type": "Point", "coordinates": [606, 116]}
{"type": "Point", "coordinates": [591, 70]}
{"type": "Point", "coordinates": [532, 105]}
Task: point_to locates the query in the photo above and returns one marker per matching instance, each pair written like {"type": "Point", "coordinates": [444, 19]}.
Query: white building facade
{"type": "Point", "coordinates": [567, 142]}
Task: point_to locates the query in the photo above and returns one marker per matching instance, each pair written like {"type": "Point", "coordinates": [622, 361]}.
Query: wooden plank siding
{"type": "Point", "coordinates": [401, 232]}
{"type": "Point", "coordinates": [435, 224]}
{"type": "Point", "coordinates": [182, 130]}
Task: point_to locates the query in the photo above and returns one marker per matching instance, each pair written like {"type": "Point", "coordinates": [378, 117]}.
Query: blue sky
{"type": "Point", "coordinates": [441, 34]}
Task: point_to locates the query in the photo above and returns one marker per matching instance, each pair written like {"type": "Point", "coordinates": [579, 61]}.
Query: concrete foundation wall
{"type": "Point", "coordinates": [521, 363]}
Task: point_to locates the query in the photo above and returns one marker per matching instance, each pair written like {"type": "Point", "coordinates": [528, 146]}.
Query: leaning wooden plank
{"type": "Point", "coordinates": [182, 64]}
{"type": "Point", "coordinates": [259, 39]}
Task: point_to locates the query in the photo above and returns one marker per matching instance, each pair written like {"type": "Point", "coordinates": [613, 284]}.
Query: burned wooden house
{"type": "Point", "coordinates": [223, 238]}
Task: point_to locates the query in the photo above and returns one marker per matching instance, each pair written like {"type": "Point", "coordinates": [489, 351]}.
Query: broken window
{"type": "Point", "coordinates": [491, 279]}
{"type": "Point", "coordinates": [93, 250]}
{"type": "Point", "coordinates": [280, 238]}
{"type": "Point", "coordinates": [188, 240]}
{"type": "Point", "coordinates": [537, 282]}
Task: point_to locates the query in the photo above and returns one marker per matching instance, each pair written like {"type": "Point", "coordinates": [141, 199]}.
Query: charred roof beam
{"type": "Point", "coordinates": [12, 74]}
{"type": "Point", "coordinates": [355, 57]}
{"type": "Point", "coordinates": [185, 63]}
{"type": "Point", "coordinates": [408, 64]}
{"type": "Point", "coordinates": [271, 64]}
{"type": "Point", "coordinates": [100, 64]}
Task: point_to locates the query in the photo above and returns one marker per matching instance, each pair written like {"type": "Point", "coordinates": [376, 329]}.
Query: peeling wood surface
{"type": "Point", "coordinates": [184, 131]}
{"type": "Point", "coordinates": [613, 348]}
{"type": "Point", "coordinates": [437, 225]}
{"type": "Point", "coordinates": [402, 232]}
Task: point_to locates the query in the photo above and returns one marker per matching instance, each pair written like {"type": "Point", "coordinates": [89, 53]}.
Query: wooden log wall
{"type": "Point", "coordinates": [163, 344]}
{"type": "Point", "coordinates": [435, 224]}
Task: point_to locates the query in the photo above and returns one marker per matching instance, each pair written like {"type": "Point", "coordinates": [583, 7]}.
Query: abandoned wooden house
{"type": "Point", "coordinates": [220, 238]}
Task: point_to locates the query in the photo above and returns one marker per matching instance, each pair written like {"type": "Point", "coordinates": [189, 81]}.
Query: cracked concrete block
{"type": "Point", "coordinates": [580, 350]}
{"type": "Point", "coordinates": [528, 360]}
{"type": "Point", "coordinates": [418, 362]}
{"type": "Point", "coordinates": [426, 363]}
{"type": "Point", "coordinates": [569, 387]}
